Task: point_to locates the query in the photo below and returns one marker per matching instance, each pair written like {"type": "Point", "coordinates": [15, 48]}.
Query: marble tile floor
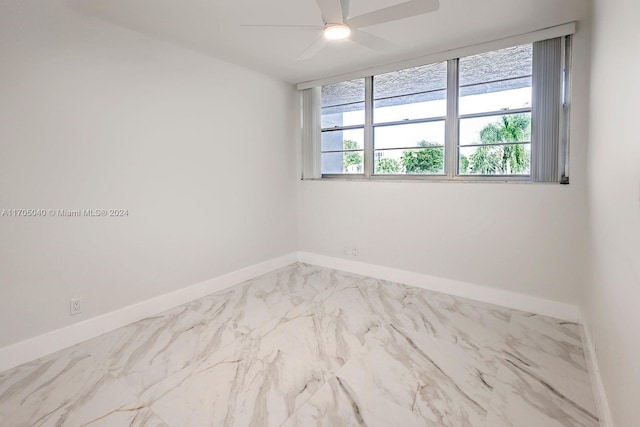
{"type": "Point", "coordinates": [308, 346]}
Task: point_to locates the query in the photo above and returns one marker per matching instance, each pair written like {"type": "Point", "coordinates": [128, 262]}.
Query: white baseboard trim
{"type": "Point", "coordinates": [481, 293]}
{"type": "Point", "coordinates": [34, 348]}
{"type": "Point", "coordinates": [604, 412]}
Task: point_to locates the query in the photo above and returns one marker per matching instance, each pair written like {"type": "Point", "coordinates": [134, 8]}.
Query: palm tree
{"type": "Point", "coordinates": [503, 159]}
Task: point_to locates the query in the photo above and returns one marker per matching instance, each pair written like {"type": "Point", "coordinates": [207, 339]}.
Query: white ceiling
{"type": "Point", "coordinates": [214, 27]}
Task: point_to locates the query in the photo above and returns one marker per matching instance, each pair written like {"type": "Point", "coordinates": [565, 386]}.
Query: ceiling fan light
{"type": "Point", "coordinates": [337, 32]}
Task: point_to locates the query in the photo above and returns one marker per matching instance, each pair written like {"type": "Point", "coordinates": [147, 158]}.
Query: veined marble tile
{"type": "Point", "coordinates": [477, 328]}
{"type": "Point", "coordinates": [240, 385]}
{"type": "Point", "coordinates": [360, 303]}
{"type": "Point", "coordinates": [274, 295]}
{"type": "Point", "coordinates": [465, 322]}
{"type": "Point", "coordinates": [68, 388]}
{"type": "Point", "coordinates": [326, 341]}
{"type": "Point", "coordinates": [134, 417]}
{"type": "Point", "coordinates": [153, 348]}
{"type": "Point", "coordinates": [437, 383]}
{"type": "Point", "coordinates": [551, 351]}
{"type": "Point", "coordinates": [522, 399]}
{"type": "Point", "coordinates": [339, 321]}
{"type": "Point", "coordinates": [335, 404]}
{"type": "Point", "coordinates": [306, 280]}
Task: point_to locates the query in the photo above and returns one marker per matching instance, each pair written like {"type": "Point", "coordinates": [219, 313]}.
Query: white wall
{"type": "Point", "coordinates": [93, 116]}
{"type": "Point", "coordinates": [527, 238]}
{"type": "Point", "coordinates": [522, 238]}
{"type": "Point", "coordinates": [613, 295]}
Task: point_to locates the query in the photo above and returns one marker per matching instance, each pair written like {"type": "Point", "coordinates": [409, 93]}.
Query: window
{"type": "Point", "coordinates": [409, 113]}
{"type": "Point", "coordinates": [494, 105]}
{"type": "Point", "coordinates": [342, 121]}
{"type": "Point", "coordinates": [498, 115]}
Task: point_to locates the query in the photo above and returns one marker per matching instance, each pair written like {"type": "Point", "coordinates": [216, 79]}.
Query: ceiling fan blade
{"type": "Point", "coordinates": [370, 41]}
{"type": "Point", "coordinates": [346, 8]}
{"type": "Point", "coordinates": [292, 27]}
{"type": "Point", "coordinates": [331, 11]}
{"type": "Point", "coordinates": [394, 13]}
{"type": "Point", "coordinates": [311, 51]}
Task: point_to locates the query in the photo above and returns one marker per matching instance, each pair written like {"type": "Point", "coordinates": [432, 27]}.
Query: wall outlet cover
{"type": "Point", "coordinates": [76, 306]}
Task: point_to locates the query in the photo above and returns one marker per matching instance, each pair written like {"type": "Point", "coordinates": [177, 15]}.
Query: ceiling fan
{"type": "Point", "coordinates": [338, 24]}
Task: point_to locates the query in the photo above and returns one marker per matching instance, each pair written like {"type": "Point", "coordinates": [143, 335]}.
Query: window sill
{"type": "Point", "coordinates": [433, 179]}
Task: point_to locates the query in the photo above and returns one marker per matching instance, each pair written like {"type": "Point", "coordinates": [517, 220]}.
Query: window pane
{"type": "Point", "coordinates": [342, 140]}
{"type": "Point", "coordinates": [345, 115]}
{"type": "Point", "coordinates": [343, 104]}
{"type": "Point", "coordinates": [334, 160]}
{"type": "Point", "coordinates": [412, 93]}
{"type": "Point", "coordinates": [411, 107]}
{"type": "Point", "coordinates": [410, 135]}
{"type": "Point", "coordinates": [410, 162]}
{"type": "Point", "coordinates": [494, 81]}
{"type": "Point", "coordinates": [495, 160]}
{"type": "Point", "coordinates": [496, 96]}
{"type": "Point", "coordinates": [496, 129]}
{"type": "Point", "coordinates": [343, 162]}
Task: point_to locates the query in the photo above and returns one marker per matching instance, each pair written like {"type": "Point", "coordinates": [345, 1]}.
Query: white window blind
{"type": "Point", "coordinates": [311, 133]}
{"type": "Point", "coordinates": [547, 102]}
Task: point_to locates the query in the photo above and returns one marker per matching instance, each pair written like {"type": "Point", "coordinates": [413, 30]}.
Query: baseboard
{"type": "Point", "coordinates": [473, 291]}
{"type": "Point", "coordinates": [34, 348]}
{"type": "Point", "coordinates": [604, 412]}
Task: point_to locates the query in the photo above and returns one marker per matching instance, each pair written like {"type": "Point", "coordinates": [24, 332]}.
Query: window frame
{"type": "Point", "coordinates": [452, 129]}
{"type": "Point", "coordinates": [342, 128]}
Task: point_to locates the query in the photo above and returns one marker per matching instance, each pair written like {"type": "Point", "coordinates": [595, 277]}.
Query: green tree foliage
{"type": "Point", "coordinates": [464, 164]}
{"type": "Point", "coordinates": [486, 161]}
{"type": "Point", "coordinates": [388, 166]}
{"type": "Point", "coordinates": [351, 158]}
{"type": "Point", "coordinates": [427, 160]}
{"type": "Point", "coordinates": [505, 159]}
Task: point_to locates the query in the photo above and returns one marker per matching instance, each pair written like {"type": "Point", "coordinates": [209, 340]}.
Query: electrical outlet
{"type": "Point", "coordinates": [76, 306]}
{"type": "Point", "coordinates": [350, 251]}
